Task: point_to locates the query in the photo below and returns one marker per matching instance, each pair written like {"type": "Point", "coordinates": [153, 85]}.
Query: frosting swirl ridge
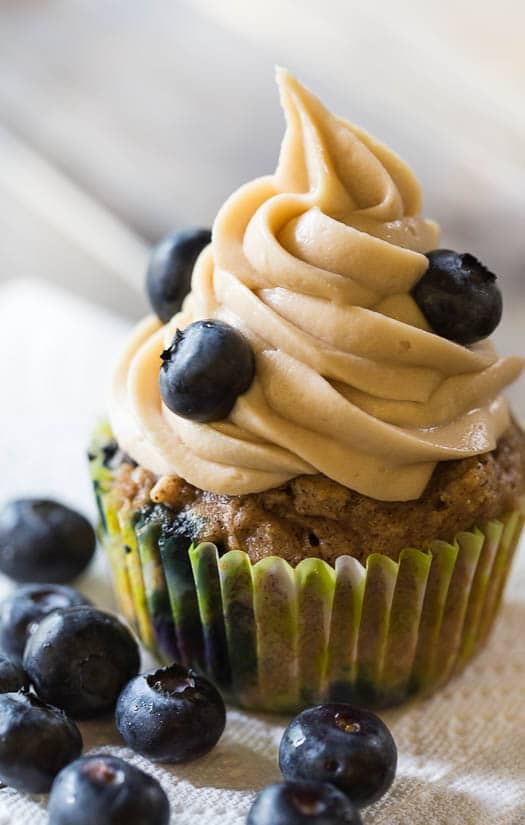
{"type": "Point", "coordinates": [315, 265]}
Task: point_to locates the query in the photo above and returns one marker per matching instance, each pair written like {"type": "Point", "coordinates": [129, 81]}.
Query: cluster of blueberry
{"type": "Point", "coordinates": [82, 663]}
{"type": "Point", "coordinates": [64, 660]}
{"type": "Point", "coordinates": [210, 363]}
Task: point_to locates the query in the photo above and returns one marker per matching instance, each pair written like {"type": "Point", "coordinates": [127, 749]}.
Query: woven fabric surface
{"type": "Point", "coordinates": [462, 752]}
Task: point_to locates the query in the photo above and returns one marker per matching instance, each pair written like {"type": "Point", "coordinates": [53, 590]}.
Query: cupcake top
{"type": "Point", "coordinates": [315, 266]}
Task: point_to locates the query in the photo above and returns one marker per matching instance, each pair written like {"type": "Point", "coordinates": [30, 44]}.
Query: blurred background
{"type": "Point", "coordinates": [121, 120]}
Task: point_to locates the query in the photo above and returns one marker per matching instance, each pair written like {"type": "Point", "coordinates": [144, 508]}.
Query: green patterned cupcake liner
{"type": "Point", "coordinates": [278, 638]}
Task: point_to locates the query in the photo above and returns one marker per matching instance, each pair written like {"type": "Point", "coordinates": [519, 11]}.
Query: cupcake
{"type": "Point", "coordinates": [311, 486]}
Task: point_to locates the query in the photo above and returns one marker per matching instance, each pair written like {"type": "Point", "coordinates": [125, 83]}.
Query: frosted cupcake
{"type": "Point", "coordinates": [311, 487]}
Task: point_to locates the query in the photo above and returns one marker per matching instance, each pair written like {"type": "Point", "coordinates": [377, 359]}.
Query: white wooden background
{"type": "Point", "coordinates": [121, 119]}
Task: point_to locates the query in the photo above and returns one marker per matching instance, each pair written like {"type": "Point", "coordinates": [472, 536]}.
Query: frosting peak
{"type": "Point", "coordinates": [315, 265]}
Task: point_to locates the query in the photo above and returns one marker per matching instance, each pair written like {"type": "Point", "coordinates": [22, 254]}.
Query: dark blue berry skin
{"type": "Point", "coordinates": [106, 790]}
{"type": "Point", "coordinates": [43, 541]}
{"type": "Point", "coordinates": [12, 676]}
{"type": "Point", "coordinates": [26, 606]}
{"type": "Point", "coordinates": [302, 803]}
{"type": "Point", "coordinates": [459, 297]}
{"type": "Point", "coordinates": [79, 659]}
{"type": "Point", "coordinates": [171, 715]}
{"type": "Point", "coordinates": [352, 749]}
{"type": "Point", "coordinates": [168, 279]}
{"type": "Point", "coordinates": [207, 367]}
{"type": "Point", "coordinates": [36, 742]}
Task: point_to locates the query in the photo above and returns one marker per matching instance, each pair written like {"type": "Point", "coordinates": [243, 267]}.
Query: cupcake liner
{"type": "Point", "coordinates": [278, 638]}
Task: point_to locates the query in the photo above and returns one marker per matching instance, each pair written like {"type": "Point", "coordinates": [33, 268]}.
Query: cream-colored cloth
{"type": "Point", "coordinates": [462, 752]}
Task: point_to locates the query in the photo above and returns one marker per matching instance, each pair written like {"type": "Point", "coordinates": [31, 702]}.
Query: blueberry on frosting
{"type": "Point", "coordinates": [459, 297]}
{"type": "Point", "coordinates": [168, 279]}
{"type": "Point", "coordinates": [207, 367]}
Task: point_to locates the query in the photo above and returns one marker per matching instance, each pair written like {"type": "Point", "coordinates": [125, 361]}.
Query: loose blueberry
{"type": "Point", "coordinates": [168, 279]}
{"type": "Point", "coordinates": [36, 742]}
{"type": "Point", "coordinates": [352, 749]}
{"type": "Point", "coordinates": [26, 606]}
{"type": "Point", "coordinates": [459, 297]}
{"type": "Point", "coordinates": [207, 367]}
{"type": "Point", "coordinates": [106, 790]}
{"type": "Point", "coordinates": [43, 541]}
{"type": "Point", "coordinates": [171, 715]}
{"type": "Point", "coordinates": [12, 676]}
{"type": "Point", "coordinates": [302, 803]}
{"type": "Point", "coordinates": [79, 659]}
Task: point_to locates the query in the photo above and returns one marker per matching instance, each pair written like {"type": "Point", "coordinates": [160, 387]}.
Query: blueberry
{"type": "Point", "coordinates": [106, 790]}
{"type": "Point", "coordinates": [36, 742]}
{"type": "Point", "coordinates": [171, 715]}
{"type": "Point", "coordinates": [79, 659]}
{"type": "Point", "coordinates": [208, 365]}
{"type": "Point", "coordinates": [26, 606]}
{"type": "Point", "coordinates": [352, 749]}
{"type": "Point", "coordinates": [43, 541]}
{"type": "Point", "coordinates": [302, 803]}
{"type": "Point", "coordinates": [12, 676]}
{"type": "Point", "coordinates": [168, 279]}
{"type": "Point", "coordinates": [459, 297]}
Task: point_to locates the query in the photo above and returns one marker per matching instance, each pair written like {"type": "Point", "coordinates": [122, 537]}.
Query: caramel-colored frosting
{"type": "Point", "coordinates": [315, 265]}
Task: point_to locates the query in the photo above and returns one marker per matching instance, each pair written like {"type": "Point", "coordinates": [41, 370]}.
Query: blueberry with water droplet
{"type": "Point", "coordinates": [171, 715]}
{"type": "Point", "coordinates": [352, 749]}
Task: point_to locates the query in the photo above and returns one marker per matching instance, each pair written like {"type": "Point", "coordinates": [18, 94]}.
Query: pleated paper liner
{"type": "Point", "coordinates": [277, 638]}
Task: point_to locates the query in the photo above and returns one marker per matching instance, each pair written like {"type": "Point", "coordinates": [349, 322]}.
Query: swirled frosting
{"type": "Point", "coordinates": [315, 265]}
